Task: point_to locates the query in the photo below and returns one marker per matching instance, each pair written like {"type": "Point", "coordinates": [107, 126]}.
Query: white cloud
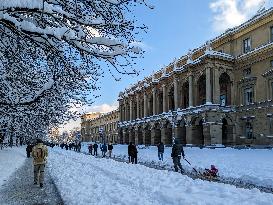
{"type": "Point", "coordinates": [103, 108]}
{"type": "Point", "coordinates": [141, 45]}
{"type": "Point", "coordinates": [230, 13]}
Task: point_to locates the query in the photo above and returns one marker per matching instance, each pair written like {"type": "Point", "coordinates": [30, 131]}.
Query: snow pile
{"type": "Point", "coordinates": [10, 160]}
{"type": "Point", "coordinates": [250, 165]}
{"type": "Point", "coordinates": [83, 179]}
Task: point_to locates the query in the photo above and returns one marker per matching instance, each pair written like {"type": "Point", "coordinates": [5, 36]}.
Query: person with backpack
{"type": "Point", "coordinates": [177, 150]}
{"type": "Point", "coordinates": [39, 154]}
{"type": "Point", "coordinates": [95, 146]}
{"type": "Point", "coordinates": [110, 148]}
{"type": "Point", "coordinates": [160, 148]}
{"type": "Point", "coordinates": [103, 149]}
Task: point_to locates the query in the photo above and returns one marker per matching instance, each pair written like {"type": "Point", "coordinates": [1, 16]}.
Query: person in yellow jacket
{"type": "Point", "coordinates": [39, 154]}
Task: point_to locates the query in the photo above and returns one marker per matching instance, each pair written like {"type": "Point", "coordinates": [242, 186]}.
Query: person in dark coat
{"type": "Point", "coordinates": [90, 149]}
{"type": "Point", "coordinates": [103, 149]}
{"type": "Point", "coordinates": [110, 148]}
{"type": "Point", "coordinates": [29, 149]}
{"type": "Point", "coordinates": [134, 154]}
{"type": "Point", "coordinates": [95, 146]}
{"type": "Point", "coordinates": [66, 146]}
{"type": "Point", "coordinates": [130, 151]}
{"type": "Point", "coordinates": [160, 148]}
{"type": "Point", "coordinates": [177, 151]}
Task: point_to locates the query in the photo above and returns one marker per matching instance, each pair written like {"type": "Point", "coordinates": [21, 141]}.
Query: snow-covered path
{"type": "Point", "coordinates": [83, 179]}
{"type": "Point", "coordinates": [252, 166]}
{"type": "Point", "coordinates": [19, 189]}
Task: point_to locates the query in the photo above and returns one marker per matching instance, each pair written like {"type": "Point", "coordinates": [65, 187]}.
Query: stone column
{"type": "Point", "coordinates": [131, 109]}
{"type": "Point", "coordinates": [176, 93]}
{"type": "Point", "coordinates": [145, 105]}
{"type": "Point", "coordinates": [154, 101]}
{"type": "Point", "coordinates": [125, 110]}
{"type": "Point", "coordinates": [216, 87]}
{"type": "Point", "coordinates": [165, 109]}
{"type": "Point", "coordinates": [137, 106]}
{"type": "Point", "coordinates": [208, 86]}
{"type": "Point", "coordinates": [190, 91]}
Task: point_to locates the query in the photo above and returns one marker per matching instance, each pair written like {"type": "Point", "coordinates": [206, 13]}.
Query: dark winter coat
{"type": "Point", "coordinates": [110, 147]}
{"type": "Point", "coordinates": [104, 148]}
{"type": "Point", "coordinates": [95, 146]}
{"type": "Point", "coordinates": [132, 150]}
{"type": "Point", "coordinates": [29, 148]}
{"type": "Point", "coordinates": [177, 150]}
{"type": "Point", "coordinates": [160, 147]}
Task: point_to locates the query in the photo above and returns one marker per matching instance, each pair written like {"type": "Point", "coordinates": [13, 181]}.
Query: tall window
{"type": "Point", "coordinates": [248, 94]}
{"type": "Point", "coordinates": [271, 34]}
{"type": "Point", "coordinates": [246, 45]}
{"type": "Point", "coordinates": [249, 131]}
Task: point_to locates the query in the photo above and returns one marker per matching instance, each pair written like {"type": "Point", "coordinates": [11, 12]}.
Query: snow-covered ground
{"type": "Point", "coordinates": [250, 165]}
{"type": "Point", "coordinates": [10, 160]}
{"type": "Point", "coordinates": [83, 179]}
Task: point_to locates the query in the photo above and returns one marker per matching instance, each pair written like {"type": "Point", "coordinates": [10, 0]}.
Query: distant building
{"type": "Point", "coordinates": [100, 127]}
{"type": "Point", "coordinates": [219, 93]}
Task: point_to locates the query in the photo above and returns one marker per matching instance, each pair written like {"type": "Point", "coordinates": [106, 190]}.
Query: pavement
{"type": "Point", "coordinates": [20, 190]}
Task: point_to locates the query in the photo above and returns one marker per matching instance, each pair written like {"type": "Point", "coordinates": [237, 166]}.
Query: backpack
{"type": "Point", "coordinates": [39, 154]}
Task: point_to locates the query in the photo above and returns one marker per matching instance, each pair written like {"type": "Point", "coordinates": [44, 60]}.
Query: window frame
{"type": "Point", "coordinates": [246, 98]}
{"type": "Point", "coordinates": [247, 49]}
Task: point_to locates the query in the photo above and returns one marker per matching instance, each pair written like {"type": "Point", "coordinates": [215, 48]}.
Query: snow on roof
{"type": "Point", "coordinates": [208, 50]}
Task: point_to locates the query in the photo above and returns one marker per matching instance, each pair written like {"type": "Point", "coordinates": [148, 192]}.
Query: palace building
{"type": "Point", "coordinates": [219, 93]}
{"type": "Point", "coordinates": [100, 127]}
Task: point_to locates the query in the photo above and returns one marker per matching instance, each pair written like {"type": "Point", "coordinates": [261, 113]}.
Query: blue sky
{"type": "Point", "coordinates": [175, 26]}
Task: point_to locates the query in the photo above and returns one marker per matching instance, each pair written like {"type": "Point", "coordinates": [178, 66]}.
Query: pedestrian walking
{"type": "Point", "coordinates": [134, 154]}
{"type": "Point", "coordinates": [130, 151]}
{"type": "Point", "coordinates": [160, 148]}
{"type": "Point", "coordinates": [103, 149]}
{"type": "Point", "coordinates": [39, 154]}
{"type": "Point", "coordinates": [95, 146]}
{"type": "Point", "coordinates": [29, 149]}
{"type": "Point", "coordinates": [177, 151]}
{"type": "Point", "coordinates": [90, 149]}
{"type": "Point", "coordinates": [110, 148]}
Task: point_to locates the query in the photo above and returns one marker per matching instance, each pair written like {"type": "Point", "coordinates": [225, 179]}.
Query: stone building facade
{"type": "Point", "coordinates": [219, 93]}
{"type": "Point", "coordinates": [100, 127]}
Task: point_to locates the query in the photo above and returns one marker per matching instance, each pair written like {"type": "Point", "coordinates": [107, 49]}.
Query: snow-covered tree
{"type": "Point", "coordinates": [52, 53]}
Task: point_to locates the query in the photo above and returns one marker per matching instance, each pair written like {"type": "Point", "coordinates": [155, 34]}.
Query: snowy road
{"type": "Point", "coordinates": [19, 189]}
{"type": "Point", "coordinates": [83, 179]}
